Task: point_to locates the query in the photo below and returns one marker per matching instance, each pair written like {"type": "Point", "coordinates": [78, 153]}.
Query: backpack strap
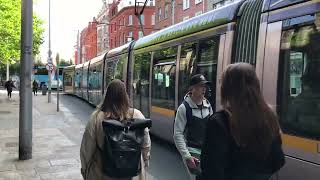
{"type": "Point", "coordinates": [188, 111]}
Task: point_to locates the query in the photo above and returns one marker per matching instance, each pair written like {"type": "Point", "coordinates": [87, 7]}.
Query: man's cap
{"type": "Point", "coordinates": [198, 79]}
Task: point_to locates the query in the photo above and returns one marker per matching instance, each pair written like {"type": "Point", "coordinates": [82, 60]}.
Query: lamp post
{"type": "Point", "coordinates": [49, 56]}
{"type": "Point", "coordinates": [25, 106]}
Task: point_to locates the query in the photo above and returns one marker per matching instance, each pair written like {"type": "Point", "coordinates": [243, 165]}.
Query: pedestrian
{"type": "Point", "coordinates": [9, 86]}
{"type": "Point", "coordinates": [35, 87]}
{"type": "Point", "coordinates": [114, 106]}
{"type": "Point", "coordinates": [190, 122]}
{"type": "Point", "coordinates": [243, 141]}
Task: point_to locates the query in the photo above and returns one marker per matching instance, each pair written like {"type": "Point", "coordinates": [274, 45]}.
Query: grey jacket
{"type": "Point", "coordinates": [91, 157]}
{"type": "Point", "coordinates": [181, 121]}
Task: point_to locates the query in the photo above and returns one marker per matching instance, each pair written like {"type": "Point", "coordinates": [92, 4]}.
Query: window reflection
{"type": "Point", "coordinates": [163, 84]}
{"type": "Point", "coordinates": [141, 82]}
{"type": "Point", "coordinates": [299, 87]}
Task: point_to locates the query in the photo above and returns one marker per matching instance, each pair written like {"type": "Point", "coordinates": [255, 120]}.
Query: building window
{"type": "Point", "coordinates": [153, 19]}
{"type": "Point", "coordinates": [130, 36]}
{"type": "Point", "coordinates": [142, 19]}
{"type": "Point", "coordinates": [140, 34]}
{"type": "Point", "coordinates": [185, 18]}
{"type": "Point", "coordinates": [120, 24]}
{"type": "Point", "coordinates": [151, 3]}
{"type": "Point", "coordinates": [166, 11]}
{"type": "Point", "coordinates": [186, 4]}
{"type": "Point", "coordinates": [197, 1]}
{"type": "Point", "coordinates": [124, 38]}
{"type": "Point", "coordinates": [159, 14]}
{"type": "Point", "coordinates": [198, 13]}
{"type": "Point", "coordinates": [130, 20]}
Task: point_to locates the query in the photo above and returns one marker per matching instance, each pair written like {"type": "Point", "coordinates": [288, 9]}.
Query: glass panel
{"type": "Point", "coordinates": [110, 71]}
{"type": "Point", "coordinates": [141, 82]}
{"type": "Point", "coordinates": [120, 67]}
{"type": "Point", "coordinates": [95, 83]}
{"type": "Point", "coordinates": [207, 65]}
{"type": "Point", "coordinates": [67, 79]}
{"type": "Point", "coordinates": [187, 59]}
{"type": "Point", "coordinates": [163, 88]}
{"type": "Point", "coordinates": [299, 76]}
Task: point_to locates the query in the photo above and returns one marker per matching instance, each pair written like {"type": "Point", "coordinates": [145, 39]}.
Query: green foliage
{"type": "Point", "coordinates": [10, 31]}
{"type": "Point", "coordinates": [64, 62]}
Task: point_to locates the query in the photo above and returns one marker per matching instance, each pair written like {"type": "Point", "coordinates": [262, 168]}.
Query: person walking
{"type": "Point", "coordinates": [9, 86]}
{"type": "Point", "coordinates": [35, 87]}
{"type": "Point", "coordinates": [190, 122]}
{"type": "Point", "coordinates": [242, 141]}
{"type": "Point", "coordinates": [114, 106]}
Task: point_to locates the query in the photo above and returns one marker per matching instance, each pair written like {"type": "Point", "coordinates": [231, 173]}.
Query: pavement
{"type": "Point", "coordinates": [56, 141]}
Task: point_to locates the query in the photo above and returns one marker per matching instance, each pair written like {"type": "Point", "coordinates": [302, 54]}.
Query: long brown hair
{"type": "Point", "coordinates": [253, 124]}
{"type": "Point", "coordinates": [115, 104]}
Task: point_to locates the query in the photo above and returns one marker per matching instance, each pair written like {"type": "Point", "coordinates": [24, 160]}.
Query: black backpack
{"type": "Point", "coordinates": [122, 147]}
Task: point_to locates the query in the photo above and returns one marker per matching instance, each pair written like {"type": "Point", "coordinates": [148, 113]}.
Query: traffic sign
{"type": "Point", "coordinates": [49, 67]}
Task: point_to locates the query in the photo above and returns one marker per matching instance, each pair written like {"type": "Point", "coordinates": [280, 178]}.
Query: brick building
{"type": "Point", "coordinates": [169, 12]}
{"type": "Point", "coordinates": [88, 42]}
{"type": "Point", "coordinates": [124, 25]}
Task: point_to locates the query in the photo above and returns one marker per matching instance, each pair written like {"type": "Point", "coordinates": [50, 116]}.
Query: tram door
{"type": "Point", "coordinates": [163, 91]}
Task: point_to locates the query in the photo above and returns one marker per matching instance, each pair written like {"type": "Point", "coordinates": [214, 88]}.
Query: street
{"type": "Point", "coordinates": [165, 161]}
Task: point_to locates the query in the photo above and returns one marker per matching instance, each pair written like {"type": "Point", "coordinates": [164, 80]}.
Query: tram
{"type": "Point", "coordinates": [279, 37]}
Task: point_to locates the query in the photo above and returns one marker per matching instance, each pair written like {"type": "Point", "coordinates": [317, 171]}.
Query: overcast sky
{"type": "Point", "coordinates": [67, 17]}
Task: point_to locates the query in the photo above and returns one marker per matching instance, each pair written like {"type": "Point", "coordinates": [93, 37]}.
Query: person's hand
{"type": "Point", "coordinates": [191, 162]}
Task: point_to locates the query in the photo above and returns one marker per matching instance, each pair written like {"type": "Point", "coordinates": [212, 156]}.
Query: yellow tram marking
{"type": "Point", "coordinates": [304, 144]}
{"type": "Point", "coordinates": [163, 111]}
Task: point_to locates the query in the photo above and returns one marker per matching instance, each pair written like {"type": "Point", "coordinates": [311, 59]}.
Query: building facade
{"type": "Point", "coordinates": [88, 42]}
{"type": "Point", "coordinates": [169, 12]}
{"type": "Point", "coordinates": [124, 25]}
{"type": "Point", "coordinates": [102, 29]}
{"type": "Point", "coordinates": [214, 4]}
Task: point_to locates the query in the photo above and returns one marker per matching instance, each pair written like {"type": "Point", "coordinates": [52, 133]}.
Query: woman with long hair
{"type": "Point", "coordinates": [116, 106]}
{"type": "Point", "coordinates": [243, 140]}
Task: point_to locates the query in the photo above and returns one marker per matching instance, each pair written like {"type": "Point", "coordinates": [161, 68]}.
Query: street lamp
{"type": "Point", "coordinates": [49, 55]}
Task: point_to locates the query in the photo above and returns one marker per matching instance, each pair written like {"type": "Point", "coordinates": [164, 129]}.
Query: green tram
{"type": "Point", "coordinates": [279, 37]}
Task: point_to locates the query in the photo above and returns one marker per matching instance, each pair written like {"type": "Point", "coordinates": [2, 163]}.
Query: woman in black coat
{"type": "Point", "coordinates": [243, 141]}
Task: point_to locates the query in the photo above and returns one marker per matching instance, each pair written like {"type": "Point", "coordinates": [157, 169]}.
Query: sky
{"type": "Point", "coordinates": [67, 17]}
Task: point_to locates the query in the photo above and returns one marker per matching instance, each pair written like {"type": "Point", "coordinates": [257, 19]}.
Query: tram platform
{"type": "Point", "coordinates": [56, 141]}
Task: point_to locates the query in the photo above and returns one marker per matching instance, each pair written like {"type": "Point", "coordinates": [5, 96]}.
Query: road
{"type": "Point", "coordinates": [165, 161]}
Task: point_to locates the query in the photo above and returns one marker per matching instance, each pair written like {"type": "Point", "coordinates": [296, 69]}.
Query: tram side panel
{"type": "Point", "coordinates": [290, 76]}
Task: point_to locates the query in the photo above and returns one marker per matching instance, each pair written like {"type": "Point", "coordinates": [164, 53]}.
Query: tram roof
{"type": "Point", "coordinates": [69, 67]}
{"type": "Point", "coordinates": [119, 50]}
{"type": "Point", "coordinates": [205, 21]}
{"type": "Point", "coordinates": [98, 58]}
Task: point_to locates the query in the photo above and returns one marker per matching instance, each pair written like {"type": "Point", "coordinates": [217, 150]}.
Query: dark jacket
{"type": "Point", "coordinates": [223, 159]}
{"type": "Point", "coordinates": [9, 85]}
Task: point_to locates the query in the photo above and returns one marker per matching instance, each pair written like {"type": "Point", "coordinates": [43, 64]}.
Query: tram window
{"type": "Point", "coordinates": [207, 64]}
{"type": "Point", "coordinates": [187, 60]}
{"type": "Point", "coordinates": [67, 79]}
{"type": "Point", "coordinates": [95, 77]}
{"type": "Point", "coordinates": [78, 77]}
{"type": "Point", "coordinates": [141, 82]}
{"type": "Point", "coordinates": [110, 71]}
{"type": "Point", "coordinates": [120, 67]}
{"type": "Point", "coordinates": [299, 76]}
{"type": "Point", "coordinates": [163, 84]}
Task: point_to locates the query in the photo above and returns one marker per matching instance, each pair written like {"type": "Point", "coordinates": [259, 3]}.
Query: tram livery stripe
{"type": "Point", "coordinates": [163, 111]}
{"type": "Point", "coordinates": [307, 145]}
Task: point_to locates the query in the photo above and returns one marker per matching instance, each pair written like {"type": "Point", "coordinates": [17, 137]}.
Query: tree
{"type": "Point", "coordinates": [10, 31]}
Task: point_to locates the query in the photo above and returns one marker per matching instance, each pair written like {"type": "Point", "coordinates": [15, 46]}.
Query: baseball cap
{"type": "Point", "coordinates": [198, 79]}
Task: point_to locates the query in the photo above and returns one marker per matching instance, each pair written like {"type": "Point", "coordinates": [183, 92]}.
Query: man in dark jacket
{"type": "Point", "coordinates": [9, 85]}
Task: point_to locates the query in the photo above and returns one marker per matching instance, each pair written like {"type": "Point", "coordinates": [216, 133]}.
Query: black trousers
{"type": "Point", "coordinates": [9, 93]}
